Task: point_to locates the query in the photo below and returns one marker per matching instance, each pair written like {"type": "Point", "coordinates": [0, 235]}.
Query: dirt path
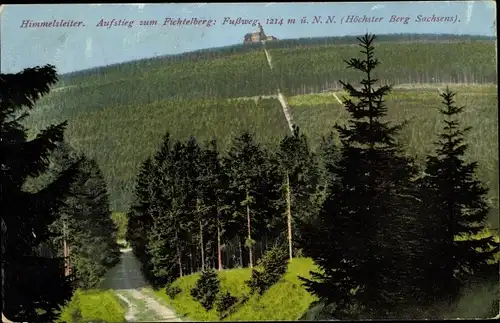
{"type": "Point", "coordinates": [128, 283]}
{"type": "Point", "coordinates": [281, 98]}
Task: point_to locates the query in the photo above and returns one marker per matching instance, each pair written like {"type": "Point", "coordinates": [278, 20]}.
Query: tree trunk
{"type": "Point", "coordinates": [249, 226]}
{"type": "Point", "coordinates": [289, 215]}
{"type": "Point", "coordinates": [66, 250]}
{"type": "Point", "coordinates": [241, 252]}
{"type": "Point", "coordinates": [201, 248]}
{"type": "Point", "coordinates": [219, 251]}
{"type": "Point", "coordinates": [191, 263]}
{"type": "Point", "coordinates": [179, 258]}
{"type": "Point", "coordinates": [4, 246]}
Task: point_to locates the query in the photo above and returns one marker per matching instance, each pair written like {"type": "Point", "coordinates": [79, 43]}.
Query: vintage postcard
{"type": "Point", "coordinates": [249, 161]}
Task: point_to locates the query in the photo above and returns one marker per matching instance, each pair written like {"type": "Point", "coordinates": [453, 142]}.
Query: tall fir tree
{"type": "Point", "coordinates": [26, 215]}
{"type": "Point", "coordinates": [300, 172]}
{"type": "Point", "coordinates": [84, 221]}
{"type": "Point", "coordinates": [165, 238]}
{"type": "Point", "coordinates": [139, 218]}
{"type": "Point", "coordinates": [363, 235]}
{"type": "Point", "coordinates": [457, 209]}
{"type": "Point", "coordinates": [245, 159]}
{"type": "Point", "coordinates": [213, 185]}
{"type": "Point", "coordinates": [86, 225]}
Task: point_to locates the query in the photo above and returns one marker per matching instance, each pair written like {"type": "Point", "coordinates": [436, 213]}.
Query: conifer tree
{"type": "Point", "coordinates": [361, 239]}
{"type": "Point", "coordinates": [196, 190]}
{"type": "Point", "coordinates": [84, 222]}
{"type": "Point", "coordinates": [87, 224]}
{"type": "Point", "coordinates": [245, 159]}
{"type": "Point", "coordinates": [167, 196]}
{"type": "Point", "coordinates": [455, 201]}
{"type": "Point", "coordinates": [26, 215]}
{"type": "Point", "coordinates": [139, 218]}
{"type": "Point", "coordinates": [300, 172]}
{"type": "Point", "coordinates": [213, 185]}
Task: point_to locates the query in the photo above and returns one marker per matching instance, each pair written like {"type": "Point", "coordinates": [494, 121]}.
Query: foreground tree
{"type": "Point", "coordinates": [87, 225]}
{"type": "Point", "coordinates": [457, 209]}
{"type": "Point", "coordinates": [33, 288]}
{"type": "Point", "coordinates": [83, 230]}
{"type": "Point", "coordinates": [362, 238]}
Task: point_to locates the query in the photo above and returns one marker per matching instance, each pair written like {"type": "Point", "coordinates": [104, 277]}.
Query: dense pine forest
{"type": "Point", "coordinates": [393, 215]}
{"type": "Point", "coordinates": [192, 95]}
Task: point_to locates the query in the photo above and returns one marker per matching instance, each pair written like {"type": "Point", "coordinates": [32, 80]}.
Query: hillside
{"type": "Point", "coordinates": [287, 300]}
{"type": "Point", "coordinates": [118, 114]}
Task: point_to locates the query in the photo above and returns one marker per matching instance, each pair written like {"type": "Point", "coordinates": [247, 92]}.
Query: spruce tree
{"type": "Point", "coordinates": [26, 215]}
{"type": "Point", "coordinates": [83, 223]}
{"type": "Point", "coordinates": [300, 173]}
{"type": "Point", "coordinates": [245, 159]}
{"type": "Point", "coordinates": [457, 209]}
{"type": "Point", "coordinates": [215, 205]}
{"type": "Point", "coordinates": [165, 236]}
{"type": "Point", "coordinates": [362, 238]}
{"type": "Point", "coordinates": [139, 220]}
{"type": "Point", "coordinates": [87, 225]}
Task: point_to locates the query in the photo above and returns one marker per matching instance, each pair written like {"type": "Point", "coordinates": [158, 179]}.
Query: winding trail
{"type": "Point", "coordinates": [126, 280]}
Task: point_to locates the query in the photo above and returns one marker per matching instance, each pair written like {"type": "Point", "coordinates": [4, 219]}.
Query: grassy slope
{"type": "Point", "coordinates": [286, 300]}
{"type": "Point", "coordinates": [118, 115]}
{"type": "Point", "coordinates": [102, 305]}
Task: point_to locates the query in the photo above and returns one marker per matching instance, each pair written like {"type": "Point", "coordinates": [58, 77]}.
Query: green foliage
{"type": "Point", "coordinates": [367, 209]}
{"type": "Point", "coordinates": [224, 303]}
{"type": "Point", "coordinates": [410, 64]}
{"type": "Point", "coordinates": [120, 71]}
{"type": "Point", "coordinates": [317, 114]}
{"type": "Point", "coordinates": [172, 291]}
{"type": "Point", "coordinates": [25, 215]}
{"type": "Point", "coordinates": [120, 163]}
{"type": "Point", "coordinates": [206, 289]}
{"type": "Point", "coordinates": [120, 220]}
{"type": "Point", "coordinates": [86, 224]}
{"type": "Point", "coordinates": [455, 207]}
{"type": "Point", "coordinates": [284, 301]}
{"type": "Point", "coordinates": [274, 265]}
{"type": "Point", "coordinates": [301, 177]}
{"type": "Point", "coordinates": [92, 305]}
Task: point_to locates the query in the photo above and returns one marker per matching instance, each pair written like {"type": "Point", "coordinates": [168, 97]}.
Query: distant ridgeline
{"type": "Point", "coordinates": [218, 52]}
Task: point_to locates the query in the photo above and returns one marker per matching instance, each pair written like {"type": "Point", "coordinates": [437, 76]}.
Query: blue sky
{"type": "Point", "coordinates": [71, 49]}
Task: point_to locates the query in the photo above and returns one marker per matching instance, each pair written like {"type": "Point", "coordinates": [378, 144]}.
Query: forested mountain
{"type": "Point", "coordinates": [192, 95]}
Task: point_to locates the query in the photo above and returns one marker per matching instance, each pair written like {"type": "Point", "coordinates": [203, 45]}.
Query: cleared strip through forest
{"type": "Point", "coordinates": [281, 98]}
{"type": "Point", "coordinates": [336, 97]}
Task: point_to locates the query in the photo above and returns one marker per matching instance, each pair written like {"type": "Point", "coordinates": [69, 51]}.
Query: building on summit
{"type": "Point", "coordinates": [257, 36]}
